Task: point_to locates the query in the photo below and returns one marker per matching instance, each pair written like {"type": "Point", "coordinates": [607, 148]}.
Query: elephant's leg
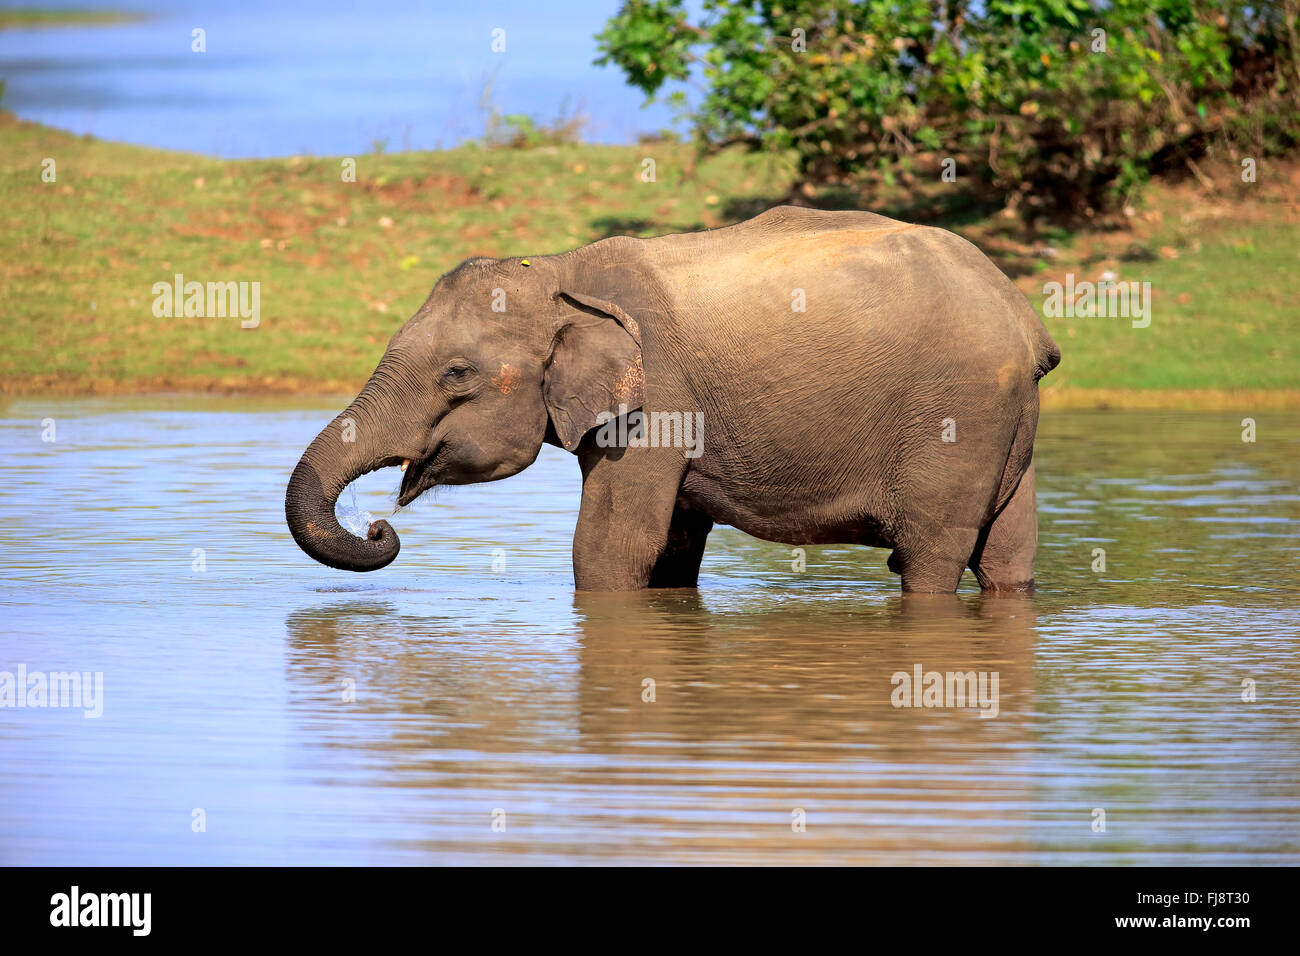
{"type": "Point", "coordinates": [629, 497]}
{"type": "Point", "coordinates": [934, 563]}
{"type": "Point", "coordinates": [1004, 555]}
{"type": "Point", "coordinates": [679, 563]}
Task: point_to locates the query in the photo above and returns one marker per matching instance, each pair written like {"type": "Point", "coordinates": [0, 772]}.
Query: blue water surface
{"type": "Point", "coordinates": [330, 77]}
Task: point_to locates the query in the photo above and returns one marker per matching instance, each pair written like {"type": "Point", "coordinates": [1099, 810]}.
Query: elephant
{"type": "Point", "coordinates": [856, 379]}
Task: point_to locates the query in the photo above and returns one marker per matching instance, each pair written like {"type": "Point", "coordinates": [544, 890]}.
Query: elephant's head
{"type": "Point", "coordinates": [503, 355]}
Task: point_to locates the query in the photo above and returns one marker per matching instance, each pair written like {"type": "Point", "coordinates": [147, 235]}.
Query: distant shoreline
{"type": "Point", "coordinates": [32, 18]}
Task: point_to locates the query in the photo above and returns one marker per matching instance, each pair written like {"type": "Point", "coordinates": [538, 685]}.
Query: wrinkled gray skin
{"type": "Point", "coordinates": [820, 426]}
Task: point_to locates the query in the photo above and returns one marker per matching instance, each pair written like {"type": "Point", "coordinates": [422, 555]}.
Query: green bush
{"type": "Point", "coordinates": [1056, 106]}
{"type": "Point", "coordinates": [521, 131]}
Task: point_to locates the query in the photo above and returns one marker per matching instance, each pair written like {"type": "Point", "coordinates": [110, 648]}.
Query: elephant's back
{"type": "Point", "coordinates": [848, 290]}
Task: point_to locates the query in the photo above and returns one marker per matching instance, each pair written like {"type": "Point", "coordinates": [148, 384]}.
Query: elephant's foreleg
{"type": "Point", "coordinates": [679, 563]}
{"type": "Point", "coordinates": [629, 497]}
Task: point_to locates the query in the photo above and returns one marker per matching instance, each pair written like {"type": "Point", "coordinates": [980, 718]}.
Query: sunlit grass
{"type": "Point", "coordinates": [26, 18]}
{"type": "Point", "coordinates": [342, 264]}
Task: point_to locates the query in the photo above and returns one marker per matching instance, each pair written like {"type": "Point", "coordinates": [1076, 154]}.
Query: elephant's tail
{"type": "Point", "coordinates": [1047, 354]}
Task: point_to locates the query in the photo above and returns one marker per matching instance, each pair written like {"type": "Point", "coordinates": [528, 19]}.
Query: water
{"type": "Point", "coordinates": [482, 690]}
{"type": "Point", "coordinates": [333, 77]}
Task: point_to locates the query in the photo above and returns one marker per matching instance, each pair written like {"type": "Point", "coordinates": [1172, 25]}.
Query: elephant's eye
{"type": "Point", "coordinates": [457, 374]}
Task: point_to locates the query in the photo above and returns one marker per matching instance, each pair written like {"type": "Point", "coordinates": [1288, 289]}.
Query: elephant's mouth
{"type": "Point", "coordinates": [417, 477]}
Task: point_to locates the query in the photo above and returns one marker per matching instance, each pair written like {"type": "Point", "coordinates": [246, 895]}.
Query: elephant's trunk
{"type": "Point", "coordinates": [330, 463]}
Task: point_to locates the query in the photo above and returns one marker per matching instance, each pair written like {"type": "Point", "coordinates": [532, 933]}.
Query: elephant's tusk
{"type": "Point", "coordinates": [405, 463]}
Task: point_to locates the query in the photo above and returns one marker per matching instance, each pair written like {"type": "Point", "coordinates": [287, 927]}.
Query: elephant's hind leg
{"type": "Point", "coordinates": [1004, 555]}
{"type": "Point", "coordinates": [935, 563]}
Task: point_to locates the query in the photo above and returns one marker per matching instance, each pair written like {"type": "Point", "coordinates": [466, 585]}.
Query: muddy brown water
{"type": "Point", "coordinates": [465, 705]}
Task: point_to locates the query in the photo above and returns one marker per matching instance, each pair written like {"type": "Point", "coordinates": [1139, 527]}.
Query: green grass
{"type": "Point", "coordinates": [341, 264]}
{"type": "Point", "coordinates": [1224, 316]}
{"type": "Point", "coordinates": [26, 18]}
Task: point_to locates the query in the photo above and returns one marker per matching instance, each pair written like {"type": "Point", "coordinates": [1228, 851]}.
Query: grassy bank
{"type": "Point", "coordinates": [27, 18]}
{"type": "Point", "coordinates": [342, 264]}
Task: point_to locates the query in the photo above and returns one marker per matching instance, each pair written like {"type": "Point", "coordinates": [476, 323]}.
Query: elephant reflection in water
{"type": "Point", "coordinates": [796, 673]}
{"type": "Point", "coordinates": [662, 663]}
{"type": "Point", "coordinates": [699, 731]}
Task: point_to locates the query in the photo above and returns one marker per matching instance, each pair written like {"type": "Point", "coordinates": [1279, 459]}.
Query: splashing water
{"type": "Point", "coordinates": [353, 517]}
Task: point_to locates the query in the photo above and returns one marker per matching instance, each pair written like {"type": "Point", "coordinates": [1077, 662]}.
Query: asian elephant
{"type": "Point", "coordinates": [853, 379]}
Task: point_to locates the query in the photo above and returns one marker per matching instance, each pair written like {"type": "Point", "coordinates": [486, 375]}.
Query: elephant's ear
{"type": "Point", "coordinates": [594, 367]}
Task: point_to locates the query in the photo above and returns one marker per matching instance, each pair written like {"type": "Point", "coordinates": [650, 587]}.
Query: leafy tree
{"type": "Point", "coordinates": [1065, 106]}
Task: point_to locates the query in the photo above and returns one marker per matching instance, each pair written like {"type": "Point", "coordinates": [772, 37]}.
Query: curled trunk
{"type": "Point", "coordinates": [328, 466]}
